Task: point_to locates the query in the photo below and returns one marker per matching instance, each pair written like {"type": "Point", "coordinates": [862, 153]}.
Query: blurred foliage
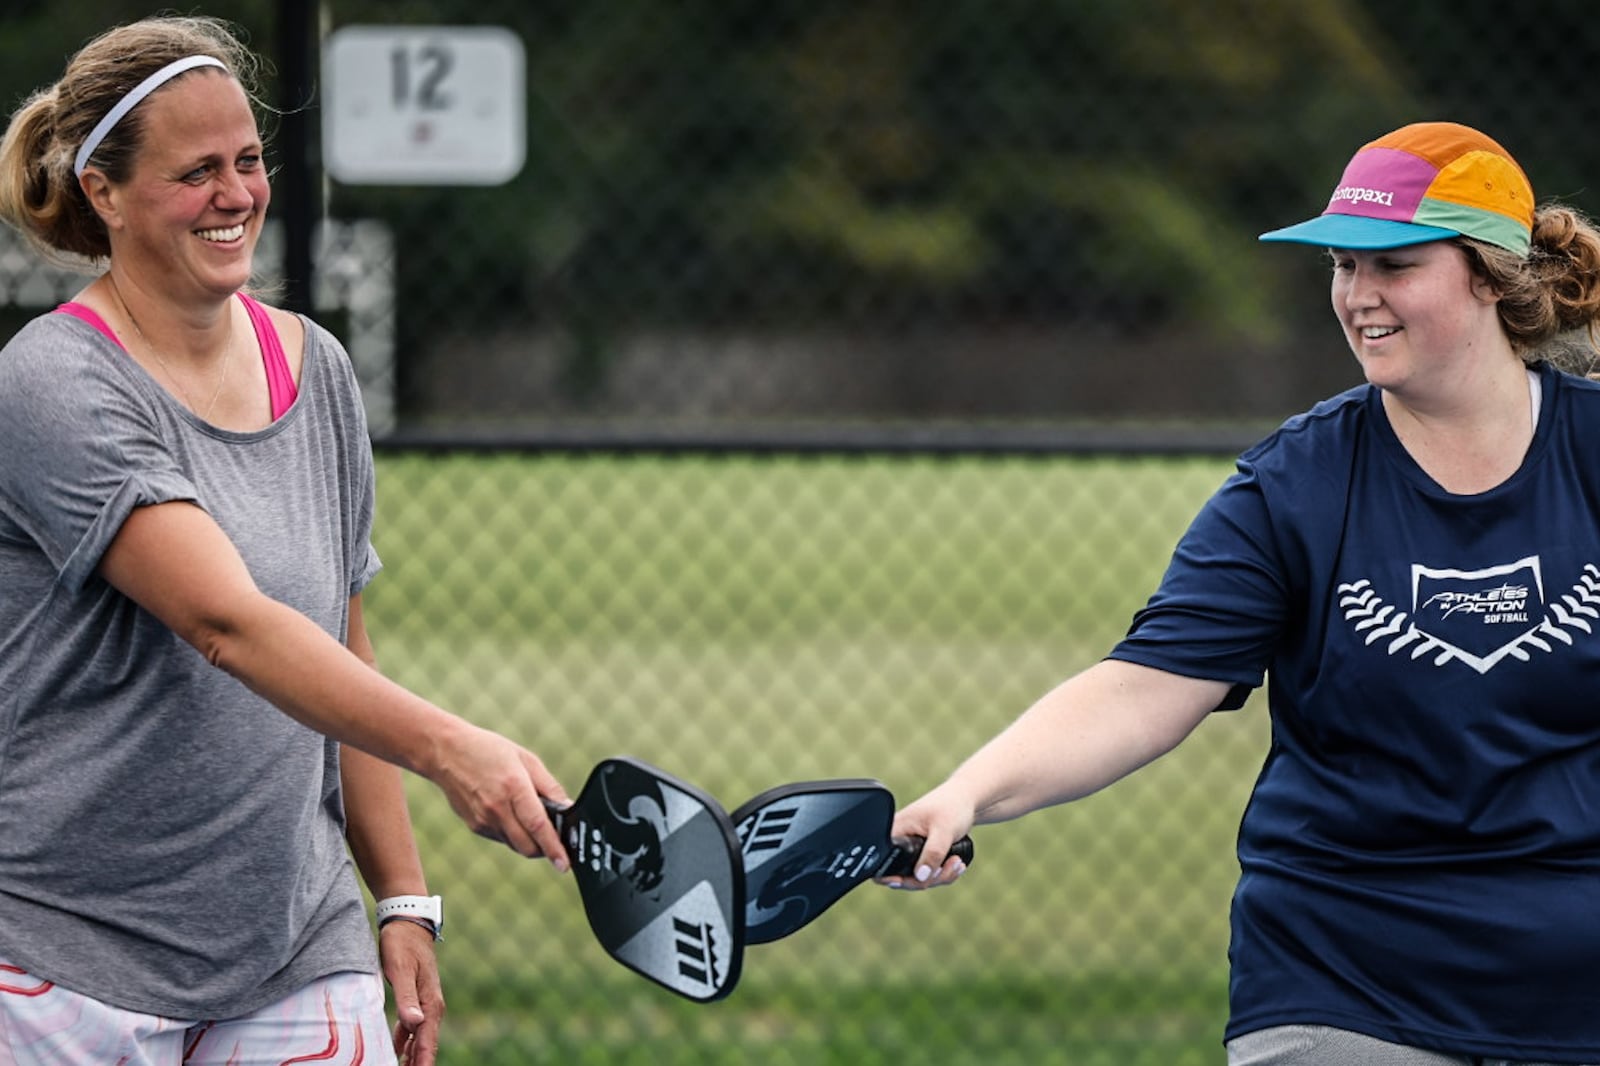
{"type": "Point", "coordinates": [857, 156]}
{"type": "Point", "coordinates": [732, 164]}
{"type": "Point", "coordinates": [832, 147]}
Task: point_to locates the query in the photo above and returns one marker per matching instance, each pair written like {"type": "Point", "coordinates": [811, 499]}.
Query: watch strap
{"type": "Point", "coordinates": [427, 911]}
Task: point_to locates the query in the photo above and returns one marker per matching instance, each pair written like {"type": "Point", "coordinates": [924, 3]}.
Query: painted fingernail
{"type": "Point", "coordinates": [924, 872]}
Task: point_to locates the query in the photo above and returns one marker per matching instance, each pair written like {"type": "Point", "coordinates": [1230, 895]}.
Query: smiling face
{"type": "Point", "coordinates": [1417, 316]}
{"type": "Point", "coordinates": [192, 210]}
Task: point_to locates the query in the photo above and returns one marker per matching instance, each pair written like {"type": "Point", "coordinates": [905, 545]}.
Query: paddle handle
{"type": "Point", "coordinates": [560, 815]}
{"type": "Point", "coordinates": [903, 860]}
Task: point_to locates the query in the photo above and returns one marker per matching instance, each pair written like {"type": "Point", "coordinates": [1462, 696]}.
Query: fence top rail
{"type": "Point", "coordinates": [834, 439]}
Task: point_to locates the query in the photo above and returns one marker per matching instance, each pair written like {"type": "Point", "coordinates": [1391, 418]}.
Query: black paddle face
{"type": "Point", "coordinates": [659, 871]}
{"type": "Point", "coordinates": [805, 845]}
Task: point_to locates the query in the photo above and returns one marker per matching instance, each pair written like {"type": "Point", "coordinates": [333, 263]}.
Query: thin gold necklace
{"type": "Point", "coordinates": [153, 350]}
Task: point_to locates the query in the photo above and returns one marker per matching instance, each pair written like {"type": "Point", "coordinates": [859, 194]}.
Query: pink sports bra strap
{"type": "Point", "coordinates": [281, 389]}
{"type": "Point", "coordinates": [89, 315]}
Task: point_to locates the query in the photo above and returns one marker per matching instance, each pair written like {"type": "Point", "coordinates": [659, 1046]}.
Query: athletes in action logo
{"type": "Point", "coordinates": [1477, 617]}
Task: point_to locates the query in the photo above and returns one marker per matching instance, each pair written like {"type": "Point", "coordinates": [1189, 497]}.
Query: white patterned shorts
{"type": "Point", "coordinates": [336, 1021]}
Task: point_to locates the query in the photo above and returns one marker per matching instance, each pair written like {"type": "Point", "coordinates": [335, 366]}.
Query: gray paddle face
{"type": "Point", "coordinates": [805, 845]}
{"type": "Point", "coordinates": [658, 867]}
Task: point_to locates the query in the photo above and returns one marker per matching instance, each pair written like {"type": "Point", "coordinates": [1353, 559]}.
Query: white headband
{"type": "Point", "coordinates": [131, 101]}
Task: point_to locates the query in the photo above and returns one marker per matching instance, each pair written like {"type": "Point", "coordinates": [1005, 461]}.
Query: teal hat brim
{"type": "Point", "coordinates": [1357, 232]}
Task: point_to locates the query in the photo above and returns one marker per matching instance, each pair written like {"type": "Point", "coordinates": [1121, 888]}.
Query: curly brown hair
{"type": "Point", "coordinates": [1550, 299]}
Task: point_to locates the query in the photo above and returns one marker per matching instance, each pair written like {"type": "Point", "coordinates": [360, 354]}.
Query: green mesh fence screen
{"type": "Point", "coordinates": [746, 621]}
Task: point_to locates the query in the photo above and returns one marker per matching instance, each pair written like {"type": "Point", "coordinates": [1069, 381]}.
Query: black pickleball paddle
{"type": "Point", "coordinates": [806, 844]}
{"type": "Point", "coordinates": [659, 871]}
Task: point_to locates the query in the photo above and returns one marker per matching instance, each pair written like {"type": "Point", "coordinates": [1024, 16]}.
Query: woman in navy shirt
{"type": "Point", "coordinates": [1414, 568]}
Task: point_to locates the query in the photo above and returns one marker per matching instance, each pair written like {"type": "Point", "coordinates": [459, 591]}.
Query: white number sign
{"type": "Point", "coordinates": [423, 105]}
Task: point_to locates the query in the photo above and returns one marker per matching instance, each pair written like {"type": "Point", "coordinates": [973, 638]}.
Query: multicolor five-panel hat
{"type": "Point", "coordinates": [1428, 181]}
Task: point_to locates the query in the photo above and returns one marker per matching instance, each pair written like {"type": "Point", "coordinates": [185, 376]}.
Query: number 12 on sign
{"type": "Point", "coordinates": [423, 105]}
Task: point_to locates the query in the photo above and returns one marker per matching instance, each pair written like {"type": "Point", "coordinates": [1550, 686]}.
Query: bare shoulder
{"type": "Point", "coordinates": [291, 327]}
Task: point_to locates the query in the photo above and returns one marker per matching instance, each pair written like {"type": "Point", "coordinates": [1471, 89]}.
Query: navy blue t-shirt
{"type": "Point", "coordinates": [1420, 858]}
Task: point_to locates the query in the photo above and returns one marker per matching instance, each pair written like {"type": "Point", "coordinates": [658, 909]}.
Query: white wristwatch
{"type": "Point", "coordinates": [426, 910]}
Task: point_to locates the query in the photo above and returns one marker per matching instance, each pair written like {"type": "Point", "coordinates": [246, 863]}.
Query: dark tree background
{"type": "Point", "coordinates": [877, 209]}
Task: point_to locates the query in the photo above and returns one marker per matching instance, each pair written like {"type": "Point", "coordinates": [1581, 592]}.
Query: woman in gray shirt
{"type": "Point", "coordinates": [191, 727]}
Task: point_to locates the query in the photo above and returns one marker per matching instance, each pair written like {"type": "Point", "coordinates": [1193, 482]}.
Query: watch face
{"type": "Point", "coordinates": [433, 910]}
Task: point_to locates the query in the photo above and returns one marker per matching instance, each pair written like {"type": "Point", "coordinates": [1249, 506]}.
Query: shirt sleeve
{"type": "Point", "coordinates": [1221, 604]}
{"type": "Point", "coordinates": [350, 420]}
{"type": "Point", "coordinates": [364, 560]}
{"type": "Point", "coordinates": [82, 443]}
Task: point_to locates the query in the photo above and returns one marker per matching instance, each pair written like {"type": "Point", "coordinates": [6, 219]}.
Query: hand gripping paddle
{"type": "Point", "coordinates": [658, 868]}
{"type": "Point", "coordinates": [805, 845]}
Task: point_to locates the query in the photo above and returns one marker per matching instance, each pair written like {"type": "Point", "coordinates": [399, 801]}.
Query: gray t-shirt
{"type": "Point", "coordinates": [169, 841]}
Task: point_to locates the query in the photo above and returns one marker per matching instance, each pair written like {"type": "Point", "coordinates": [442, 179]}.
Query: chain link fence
{"type": "Point", "coordinates": [830, 381]}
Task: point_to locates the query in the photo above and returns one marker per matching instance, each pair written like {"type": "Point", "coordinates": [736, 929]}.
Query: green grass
{"type": "Point", "coordinates": [1106, 1019]}
{"type": "Point", "coordinates": [748, 621]}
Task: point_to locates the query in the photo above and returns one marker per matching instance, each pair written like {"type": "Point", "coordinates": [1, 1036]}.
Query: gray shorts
{"type": "Point", "coordinates": [1323, 1045]}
